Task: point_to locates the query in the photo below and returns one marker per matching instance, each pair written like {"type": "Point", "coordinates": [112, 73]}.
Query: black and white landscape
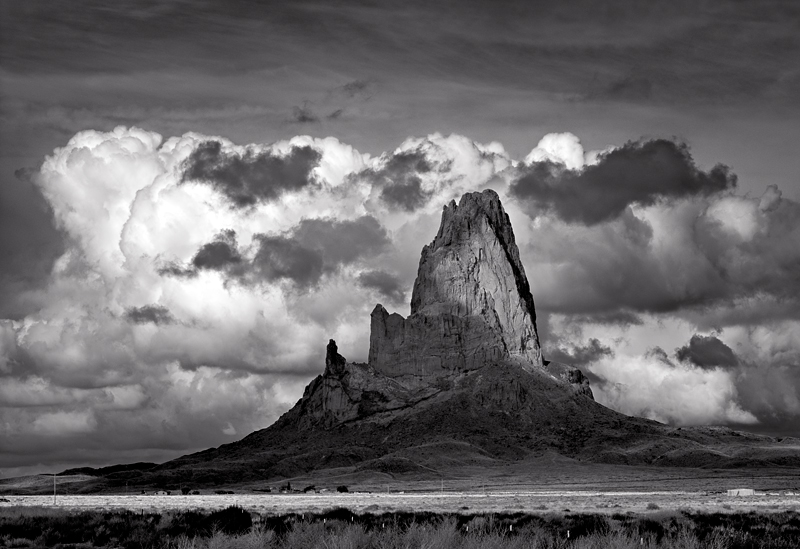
{"type": "Point", "coordinates": [201, 205]}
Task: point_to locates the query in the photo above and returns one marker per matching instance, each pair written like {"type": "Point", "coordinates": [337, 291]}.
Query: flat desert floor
{"type": "Point", "coordinates": [535, 502]}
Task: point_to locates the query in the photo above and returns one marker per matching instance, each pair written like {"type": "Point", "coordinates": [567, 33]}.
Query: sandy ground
{"type": "Point", "coordinates": [453, 502]}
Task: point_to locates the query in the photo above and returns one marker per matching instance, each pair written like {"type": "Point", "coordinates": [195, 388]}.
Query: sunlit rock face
{"type": "Point", "coordinates": [471, 303]}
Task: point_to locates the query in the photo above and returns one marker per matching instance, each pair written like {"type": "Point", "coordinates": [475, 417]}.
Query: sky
{"type": "Point", "coordinates": [196, 196]}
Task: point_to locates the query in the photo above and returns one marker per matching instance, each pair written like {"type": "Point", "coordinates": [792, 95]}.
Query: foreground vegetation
{"type": "Point", "coordinates": [236, 528]}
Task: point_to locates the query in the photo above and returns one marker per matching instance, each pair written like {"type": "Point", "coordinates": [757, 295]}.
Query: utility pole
{"type": "Point", "coordinates": [54, 488]}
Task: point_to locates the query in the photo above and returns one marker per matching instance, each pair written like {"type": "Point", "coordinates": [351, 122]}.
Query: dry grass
{"type": "Point", "coordinates": [667, 531]}
{"type": "Point", "coordinates": [341, 529]}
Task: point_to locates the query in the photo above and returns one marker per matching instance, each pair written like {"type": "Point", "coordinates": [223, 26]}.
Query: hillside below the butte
{"type": "Point", "coordinates": [458, 386]}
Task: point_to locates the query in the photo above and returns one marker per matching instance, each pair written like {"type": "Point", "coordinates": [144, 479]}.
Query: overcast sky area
{"type": "Point", "coordinates": [196, 196]}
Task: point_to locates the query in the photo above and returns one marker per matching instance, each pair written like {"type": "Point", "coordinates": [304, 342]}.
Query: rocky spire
{"type": "Point", "coordinates": [471, 302]}
{"type": "Point", "coordinates": [334, 362]}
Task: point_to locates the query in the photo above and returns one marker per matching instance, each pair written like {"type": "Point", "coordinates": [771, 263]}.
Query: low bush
{"type": "Point", "coordinates": [235, 527]}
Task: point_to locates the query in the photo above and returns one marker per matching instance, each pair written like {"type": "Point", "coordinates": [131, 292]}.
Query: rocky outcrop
{"type": "Point", "coordinates": [471, 308]}
{"type": "Point", "coordinates": [570, 375]}
{"type": "Point", "coordinates": [471, 303]}
{"type": "Point", "coordinates": [347, 391]}
{"type": "Point", "coordinates": [334, 362]}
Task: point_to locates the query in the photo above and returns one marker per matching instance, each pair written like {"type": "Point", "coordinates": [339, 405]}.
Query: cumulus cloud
{"type": "Point", "coordinates": [400, 182]}
{"type": "Point", "coordinates": [252, 176]}
{"type": "Point", "coordinates": [707, 352]}
{"type": "Point", "coordinates": [558, 148]}
{"type": "Point", "coordinates": [639, 173]}
{"type": "Point", "coordinates": [694, 257]}
{"type": "Point", "coordinates": [280, 257]}
{"type": "Point", "coordinates": [302, 254]}
{"type": "Point", "coordinates": [198, 281]}
{"type": "Point", "coordinates": [652, 387]}
{"type": "Point", "coordinates": [386, 284]}
{"type": "Point", "coordinates": [581, 355]}
{"type": "Point", "coordinates": [219, 254]}
{"type": "Point", "coordinates": [341, 242]}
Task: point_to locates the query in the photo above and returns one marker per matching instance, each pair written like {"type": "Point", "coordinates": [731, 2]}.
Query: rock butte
{"type": "Point", "coordinates": [471, 307]}
{"type": "Point", "coordinates": [460, 383]}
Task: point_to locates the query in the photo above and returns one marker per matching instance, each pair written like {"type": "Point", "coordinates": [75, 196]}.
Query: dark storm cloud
{"type": "Point", "coordinates": [301, 255]}
{"type": "Point", "coordinates": [399, 181]}
{"type": "Point", "coordinates": [386, 284]}
{"type": "Point", "coordinates": [29, 244]}
{"type": "Point", "coordinates": [718, 261]}
{"type": "Point", "coordinates": [610, 318]}
{"type": "Point", "coordinates": [769, 262]}
{"type": "Point", "coordinates": [174, 269]}
{"type": "Point", "coordinates": [342, 242]}
{"type": "Point", "coordinates": [318, 246]}
{"type": "Point", "coordinates": [707, 352]}
{"type": "Point", "coordinates": [693, 52]}
{"type": "Point", "coordinates": [281, 257]}
{"type": "Point", "coordinates": [580, 355]}
{"type": "Point", "coordinates": [252, 177]}
{"type": "Point", "coordinates": [636, 173]}
{"type": "Point", "coordinates": [219, 254]}
{"type": "Point", "coordinates": [155, 314]}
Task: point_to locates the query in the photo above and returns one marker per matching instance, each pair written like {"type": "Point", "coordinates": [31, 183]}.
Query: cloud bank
{"type": "Point", "coordinates": [198, 281]}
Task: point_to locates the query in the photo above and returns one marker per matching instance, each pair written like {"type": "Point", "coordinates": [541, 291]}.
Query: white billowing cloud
{"type": "Point", "coordinates": [563, 148]}
{"type": "Point", "coordinates": [640, 375]}
{"type": "Point", "coordinates": [91, 183]}
{"type": "Point", "coordinates": [738, 216]}
{"type": "Point", "coordinates": [428, 172]}
{"type": "Point", "coordinates": [137, 346]}
{"type": "Point", "coordinates": [671, 393]}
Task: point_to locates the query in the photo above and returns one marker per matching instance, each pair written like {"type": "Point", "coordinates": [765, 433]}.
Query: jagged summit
{"type": "Point", "coordinates": [471, 302]}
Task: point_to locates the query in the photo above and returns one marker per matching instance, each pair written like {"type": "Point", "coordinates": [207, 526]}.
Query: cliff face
{"type": "Point", "coordinates": [471, 303]}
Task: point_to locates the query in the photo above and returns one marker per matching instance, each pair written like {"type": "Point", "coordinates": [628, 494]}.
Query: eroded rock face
{"type": "Point", "coordinates": [471, 303]}
{"type": "Point", "coordinates": [571, 375]}
{"type": "Point", "coordinates": [349, 391]}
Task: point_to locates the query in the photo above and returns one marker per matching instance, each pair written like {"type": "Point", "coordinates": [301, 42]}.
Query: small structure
{"type": "Point", "coordinates": [742, 492]}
